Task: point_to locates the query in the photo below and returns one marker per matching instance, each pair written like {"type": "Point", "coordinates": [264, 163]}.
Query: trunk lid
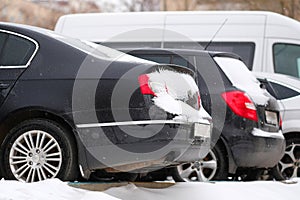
{"type": "Point", "coordinates": [266, 106]}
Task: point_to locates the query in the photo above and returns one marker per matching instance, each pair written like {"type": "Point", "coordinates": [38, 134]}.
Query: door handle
{"type": "Point", "coordinates": [4, 86]}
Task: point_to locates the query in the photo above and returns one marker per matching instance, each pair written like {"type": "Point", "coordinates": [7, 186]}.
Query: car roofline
{"type": "Point", "coordinates": [192, 52]}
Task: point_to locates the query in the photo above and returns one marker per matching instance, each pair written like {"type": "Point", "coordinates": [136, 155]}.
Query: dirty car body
{"type": "Point", "coordinates": [70, 106]}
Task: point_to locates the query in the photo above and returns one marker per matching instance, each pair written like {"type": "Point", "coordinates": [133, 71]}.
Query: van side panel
{"type": "Point", "coordinates": [202, 27]}
{"type": "Point", "coordinates": [279, 26]}
{"type": "Point", "coordinates": [221, 27]}
{"type": "Point", "coordinates": [259, 27]}
{"type": "Point", "coordinates": [112, 27]}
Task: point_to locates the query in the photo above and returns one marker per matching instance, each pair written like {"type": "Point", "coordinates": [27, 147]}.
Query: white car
{"type": "Point", "coordinates": [286, 89]}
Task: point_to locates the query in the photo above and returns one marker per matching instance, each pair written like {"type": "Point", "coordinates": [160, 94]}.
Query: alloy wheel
{"type": "Point", "coordinates": [203, 170]}
{"type": "Point", "coordinates": [289, 165]}
{"type": "Point", "coordinates": [35, 155]}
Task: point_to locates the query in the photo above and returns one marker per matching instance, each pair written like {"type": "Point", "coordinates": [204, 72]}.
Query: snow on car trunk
{"type": "Point", "coordinates": [178, 93]}
{"type": "Point", "coordinates": [242, 78]}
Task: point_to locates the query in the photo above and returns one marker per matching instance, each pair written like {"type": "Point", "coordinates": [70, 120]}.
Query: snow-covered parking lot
{"type": "Point", "coordinates": [55, 189]}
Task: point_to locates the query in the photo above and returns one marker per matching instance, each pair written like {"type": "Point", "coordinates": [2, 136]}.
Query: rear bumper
{"type": "Point", "coordinates": [164, 141]}
{"type": "Point", "coordinates": [257, 148]}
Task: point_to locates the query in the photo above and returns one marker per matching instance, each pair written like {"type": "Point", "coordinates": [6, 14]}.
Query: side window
{"type": "Point", "coordinates": [287, 59]}
{"type": "Point", "coordinates": [283, 92]}
{"type": "Point", "coordinates": [3, 38]}
{"type": "Point", "coordinates": [15, 50]}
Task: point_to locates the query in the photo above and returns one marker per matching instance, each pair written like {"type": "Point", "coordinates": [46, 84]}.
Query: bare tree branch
{"type": "Point", "coordinates": [141, 5]}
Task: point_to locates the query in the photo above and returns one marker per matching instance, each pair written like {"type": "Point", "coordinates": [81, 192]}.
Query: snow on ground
{"type": "Point", "coordinates": [55, 189]}
{"type": "Point", "coordinates": [51, 189]}
{"type": "Point", "coordinates": [257, 190]}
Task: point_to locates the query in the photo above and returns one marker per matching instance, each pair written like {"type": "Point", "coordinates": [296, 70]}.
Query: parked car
{"type": "Point", "coordinates": [245, 116]}
{"type": "Point", "coordinates": [68, 106]}
{"type": "Point", "coordinates": [286, 89]}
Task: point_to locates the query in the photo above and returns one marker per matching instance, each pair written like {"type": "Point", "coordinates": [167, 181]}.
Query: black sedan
{"type": "Point", "coordinates": [71, 108]}
{"type": "Point", "coordinates": [247, 135]}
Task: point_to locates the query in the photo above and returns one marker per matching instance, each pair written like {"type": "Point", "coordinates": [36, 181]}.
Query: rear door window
{"type": "Point", "coordinates": [15, 50]}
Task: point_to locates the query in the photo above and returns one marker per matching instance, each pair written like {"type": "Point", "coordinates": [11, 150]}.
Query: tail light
{"type": "Point", "coordinates": [144, 85]}
{"type": "Point", "coordinates": [152, 87]}
{"type": "Point", "coordinates": [280, 121]}
{"type": "Point", "coordinates": [240, 104]}
{"type": "Point", "coordinates": [199, 101]}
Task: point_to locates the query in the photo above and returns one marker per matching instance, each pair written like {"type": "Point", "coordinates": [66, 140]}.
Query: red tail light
{"type": "Point", "coordinates": [199, 101]}
{"type": "Point", "coordinates": [280, 121]}
{"type": "Point", "coordinates": [240, 104]}
{"type": "Point", "coordinates": [144, 85]}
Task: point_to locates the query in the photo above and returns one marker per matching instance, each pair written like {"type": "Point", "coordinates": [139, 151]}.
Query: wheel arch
{"type": "Point", "coordinates": [231, 163]}
{"type": "Point", "coordinates": [21, 115]}
{"type": "Point", "coordinates": [293, 134]}
{"type": "Point", "coordinates": [24, 114]}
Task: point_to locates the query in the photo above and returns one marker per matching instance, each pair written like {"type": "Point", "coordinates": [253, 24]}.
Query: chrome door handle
{"type": "Point", "coordinates": [4, 86]}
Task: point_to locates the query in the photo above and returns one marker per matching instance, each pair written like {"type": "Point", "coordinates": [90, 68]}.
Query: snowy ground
{"type": "Point", "coordinates": [55, 189]}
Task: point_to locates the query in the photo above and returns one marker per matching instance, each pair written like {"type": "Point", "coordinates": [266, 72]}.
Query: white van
{"type": "Point", "coordinates": [267, 42]}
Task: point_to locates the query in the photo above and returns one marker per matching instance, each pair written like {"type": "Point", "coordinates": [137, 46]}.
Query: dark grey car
{"type": "Point", "coordinates": [70, 108]}
{"type": "Point", "coordinates": [245, 116]}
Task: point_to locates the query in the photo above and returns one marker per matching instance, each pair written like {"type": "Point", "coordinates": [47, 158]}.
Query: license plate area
{"type": "Point", "coordinates": [271, 117]}
{"type": "Point", "coordinates": [202, 130]}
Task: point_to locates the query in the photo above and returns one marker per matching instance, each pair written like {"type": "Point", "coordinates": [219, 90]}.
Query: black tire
{"type": "Point", "coordinates": [250, 174]}
{"type": "Point", "coordinates": [158, 175]}
{"type": "Point", "coordinates": [47, 150]}
{"type": "Point", "coordinates": [103, 176]}
{"type": "Point", "coordinates": [199, 169]}
{"type": "Point", "coordinates": [281, 172]}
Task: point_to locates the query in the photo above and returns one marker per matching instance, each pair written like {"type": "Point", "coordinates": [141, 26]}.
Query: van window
{"type": "Point", "coordinates": [15, 50]}
{"type": "Point", "coordinates": [287, 59]}
{"type": "Point", "coordinates": [244, 49]}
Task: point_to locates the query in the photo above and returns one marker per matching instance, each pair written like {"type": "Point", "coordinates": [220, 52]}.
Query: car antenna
{"type": "Point", "coordinates": [213, 37]}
